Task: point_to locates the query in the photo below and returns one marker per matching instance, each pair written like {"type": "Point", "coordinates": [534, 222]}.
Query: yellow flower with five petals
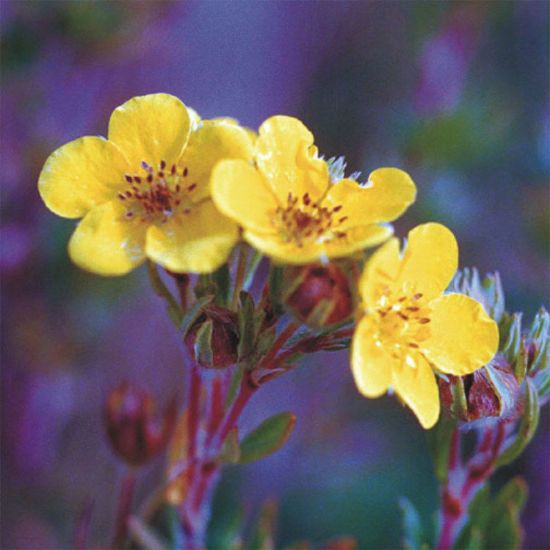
{"type": "Point", "coordinates": [144, 191]}
{"type": "Point", "coordinates": [409, 327]}
{"type": "Point", "coordinates": [289, 208]}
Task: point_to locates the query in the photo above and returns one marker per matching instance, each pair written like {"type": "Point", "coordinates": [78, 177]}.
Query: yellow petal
{"type": "Point", "coordinates": [198, 242]}
{"type": "Point", "coordinates": [241, 193]}
{"type": "Point", "coordinates": [463, 337]}
{"type": "Point", "coordinates": [150, 128]}
{"type": "Point", "coordinates": [370, 364]}
{"type": "Point", "coordinates": [106, 243]}
{"type": "Point", "coordinates": [210, 143]}
{"type": "Point", "coordinates": [430, 260]}
{"type": "Point", "coordinates": [288, 159]}
{"type": "Point", "coordinates": [414, 381]}
{"type": "Point", "coordinates": [380, 272]}
{"type": "Point", "coordinates": [357, 238]}
{"type": "Point", "coordinates": [387, 194]}
{"type": "Point", "coordinates": [80, 175]}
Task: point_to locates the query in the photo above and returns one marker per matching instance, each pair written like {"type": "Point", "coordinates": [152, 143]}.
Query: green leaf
{"type": "Point", "coordinates": [503, 530]}
{"type": "Point", "coordinates": [439, 441]}
{"type": "Point", "coordinates": [236, 378]}
{"type": "Point", "coordinates": [263, 533]}
{"type": "Point", "coordinates": [413, 534]}
{"type": "Point", "coordinates": [505, 388]}
{"type": "Point", "coordinates": [251, 268]}
{"type": "Point", "coordinates": [471, 535]}
{"type": "Point", "coordinates": [527, 428]}
{"type": "Point", "coordinates": [174, 310]}
{"type": "Point", "coordinates": [231, 451]}
{"type": "Point", "coordinates": [268, 437]}
{"type": "Point", "coordinates": [203, 344]}
{"type": "Point", "coordinates": [247, 331]}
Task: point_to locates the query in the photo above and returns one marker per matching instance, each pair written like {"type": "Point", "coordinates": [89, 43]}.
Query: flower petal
{"type": "Point", "coordinates": [241, 193]}
{"type": "Point", "coordinates": [430, 260]}
{"type": "Point", "coordinates": [80, 175]}
{"type": "Point", "coordinates": [287, 158]}
{"type": "Point", "coordinates": [210, 143]}
{"type": "Point", "coordinates": [150, 128]}
{"type": "Point", "coordinates": [388, 193]}
{"type": "Point", "coordinates": [106, 243]}
{"type": "Point", "coordinates": [285, 252]}
{"type": "Point", "coordinates": [380, 271]}
{"type": "Point", "coordinates": [198, 242]}
{"type": "Point", "coordinates": [370, 364]}
{"type": "Point", "coordinates": [462, 338]}
{"type": "Point", "coordinates": [415, 384]}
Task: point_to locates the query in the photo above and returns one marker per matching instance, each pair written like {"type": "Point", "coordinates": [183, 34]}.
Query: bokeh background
{"type": "Point", "coordinates": [455, 93]}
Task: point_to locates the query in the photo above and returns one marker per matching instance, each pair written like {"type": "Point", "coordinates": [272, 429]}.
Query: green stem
{"type": "Point", "coordinates": [239, 276]}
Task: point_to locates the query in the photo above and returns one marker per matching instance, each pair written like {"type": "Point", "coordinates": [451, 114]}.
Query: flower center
{"type": "Point", "coordinates": [403, 321]}
{"type": "Point", "coordinates": [303, 221]}
{"type": "Point", "coordinates": [156, 195]}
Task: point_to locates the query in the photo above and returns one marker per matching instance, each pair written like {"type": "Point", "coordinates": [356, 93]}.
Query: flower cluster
{"type": "Point", "coordinates": [181, 192]}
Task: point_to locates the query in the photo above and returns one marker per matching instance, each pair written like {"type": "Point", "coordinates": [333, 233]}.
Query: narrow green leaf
{"type": "Point", "coordinates": [268, 437]}
{"type": "Point", "coordinates": [439, 440]}
{"type": "Point", "coordinates": [527, 428]}
{"type": "Point", "coordinates": [413, 534]}
{"type": "Point", "coordinates": [231, 451]}
{"type": "Point", "coordinates": [247, 333]}
{"type": "Point", "coordinates": [514, 493]}
{"type": "Point", "coordinates": [251, 268]}
{"type": "Point", "coordinates": [263, 534]}
{"type": "Point", "coordinates": [161, 290]}
{"type": "Point", "coordinates": [236, 378]}
{"type": "Point", "coordinates": [203, 344]}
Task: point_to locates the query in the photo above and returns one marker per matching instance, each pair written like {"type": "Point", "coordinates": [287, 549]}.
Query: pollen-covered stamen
{"type": "Point", "coordinates": [158, 194]}
{"type": "Point", "coordinates": [304, 220]}
{"type": "Point", "coordinates": [403, 322]}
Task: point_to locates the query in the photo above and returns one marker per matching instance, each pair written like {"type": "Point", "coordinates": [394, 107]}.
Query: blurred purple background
{"type": "Point", "coordinates": [455, 93]}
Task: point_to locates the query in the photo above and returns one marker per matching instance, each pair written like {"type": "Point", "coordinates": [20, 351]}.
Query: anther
{"type": "Point", "coordinates": [185, 172]}
{"type": "Point", "coordinates": [418, 296]}
{"type": "Point", "coordinates": [162, 164]}
{"type": "Point", "coordinates": [337, 208]}
{"type": "Point", "coordinates": [128, 178]}
{"type": "Point", "coordinates": [192, 187]}
{"type": "Point", "coordinates": [424, 320]}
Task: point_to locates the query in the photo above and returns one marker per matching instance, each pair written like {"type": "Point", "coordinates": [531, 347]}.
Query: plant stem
{"type": "Point", "coordinates": [281, 340]}
{"type": "Point", "coordinates": [125, 498]}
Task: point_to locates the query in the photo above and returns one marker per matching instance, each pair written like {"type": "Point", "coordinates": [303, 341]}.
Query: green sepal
{"type": "Point", "coordinates": [460, 404]}
{"type": "Point", "coordinates": [276, 288]}
{"type": "Point", "coordinates": [439, 441]}
{"type": "Point", "coordinates": [192, 314]}
{"type": "Point", "coordinates": [203, 344]}
{"type": "Point", "coordinates": [222, 279]}
{"type": "Point", "coordinates": [247, 329]}
{"type": "Point", "coordinates": [174, 310]}
{"type": "Point", "coordinates": [519, 365]}
{"type": "Point", "coordinates": [231, 451]}
{"type": "Point", "coordinates": [506, 395]}
{"type": "Point", "coordinates": [236, 378]}
{"type": "Point", "coordinates": [527, 428]}
{"type": "Point", "coordinates": [268, 437]}
{"type": "Point", "coordinates": [205, 286]}
{"type": "Point", "coordinates": [413, 534]}
{"type": "Point", "coordinates": [253, 264]}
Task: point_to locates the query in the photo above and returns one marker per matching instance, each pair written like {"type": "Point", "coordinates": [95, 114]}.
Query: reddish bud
{"type": "Point", "coordinates": [135, 434]}
{"type": "Point", "coordinates": [217, 347]}
{"type": "Point", "coordinates": [319, 295]}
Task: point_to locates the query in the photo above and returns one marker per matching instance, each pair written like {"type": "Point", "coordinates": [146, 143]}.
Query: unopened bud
{"type": "Point", "coordinates": [491, 391]}
{"type": "Point", "coordinates": [213, 338]}
{"type": "Point", "coordinates": [319, 295]}
{"type": "Point", "coordinates": [135, 434]}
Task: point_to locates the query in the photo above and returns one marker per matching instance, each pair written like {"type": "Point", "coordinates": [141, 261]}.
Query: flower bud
{"type": "Point", "coordinates": [319, 295]}
{"type": "Point", "coordinates": [135, 434]}
{"type": "Point", "coordinates": [492, 391]}
{"type": "Point", "coordinates": [213, 338]}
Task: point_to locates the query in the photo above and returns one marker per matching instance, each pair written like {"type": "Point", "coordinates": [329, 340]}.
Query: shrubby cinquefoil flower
{"type": "Point", "coordinates": [409, 327]}
{"type": "Point", "coordinates": [289, 208]}
{"type": "Point", "coordinates": [144, 192]}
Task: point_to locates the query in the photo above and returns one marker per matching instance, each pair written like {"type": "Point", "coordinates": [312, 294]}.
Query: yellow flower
{"type": "Point", "coordinates": [290, 210]}
{"type": "Point", "coordinates": [410, 327]}
{"type": "Point", "coordinates": [144, 191]}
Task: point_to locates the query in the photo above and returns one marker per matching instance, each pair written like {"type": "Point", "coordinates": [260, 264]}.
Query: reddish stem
{"type": "Point", "coordinates": [82, 530]}
{"type": "Point", "coordinates": [281, 340]}
{"type": "Point", "coordinates": [125, 498]}
{"type": "Point", "coordinates": [193, 409]}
